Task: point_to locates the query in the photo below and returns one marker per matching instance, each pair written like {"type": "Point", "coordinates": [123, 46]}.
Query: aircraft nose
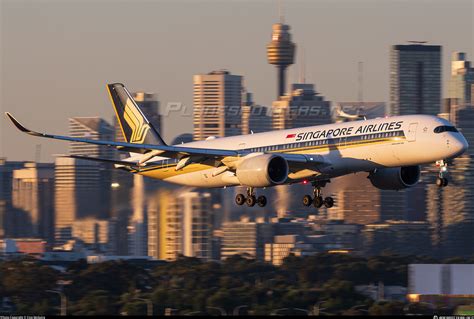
{"type": "Point", "coordinates": [459, 145]}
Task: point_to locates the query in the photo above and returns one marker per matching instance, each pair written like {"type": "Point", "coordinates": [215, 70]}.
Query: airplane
{"type": "Point", "coordinates": [389, 149]}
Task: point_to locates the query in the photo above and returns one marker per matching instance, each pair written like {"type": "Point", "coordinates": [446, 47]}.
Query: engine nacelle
{"type": "Point", "coordinates": [263, 170]}
{"type": "Point", "coordinates": [395, 178]}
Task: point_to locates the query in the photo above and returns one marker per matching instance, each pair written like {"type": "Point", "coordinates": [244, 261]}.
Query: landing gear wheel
{"type": "Point", "coordinates": [240, 199]}
{"type": "Point", "coordinates": [262, 201]}
{"type": "Point", "coordinates": [307, 200]}
{"type": "Point", "coordinates": [318, 201]}
{"type": "Point", "coordinates": [442, 181]}
{"type": "Point", "coordinates": [251, 201]}
{"type": "Point", "coordinates": [328, 202]}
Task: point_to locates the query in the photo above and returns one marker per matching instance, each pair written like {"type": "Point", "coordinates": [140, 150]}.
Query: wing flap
{"type": "Point", "coordinates": [105, 160]}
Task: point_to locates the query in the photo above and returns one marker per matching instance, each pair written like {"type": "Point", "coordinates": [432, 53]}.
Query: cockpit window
{"type": "Point", "coordinates": [445, 128]}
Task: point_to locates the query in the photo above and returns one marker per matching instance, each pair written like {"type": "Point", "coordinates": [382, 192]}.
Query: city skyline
{"type": "Point", "coordinates": [62, 70]}
{"type": "Point", "coordinates": [193, 183]}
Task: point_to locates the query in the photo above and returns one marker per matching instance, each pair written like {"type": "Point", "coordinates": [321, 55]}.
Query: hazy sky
{"type": "Point", "coordinates": [57, 56]}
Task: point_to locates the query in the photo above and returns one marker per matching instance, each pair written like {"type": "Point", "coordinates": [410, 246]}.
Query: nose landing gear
{"type": "Point", "coordinates": [442, 181]}
{"type": "Point", "coordinates": [318, 200]}
{"type": "Point", "coordinates": [251, 199]}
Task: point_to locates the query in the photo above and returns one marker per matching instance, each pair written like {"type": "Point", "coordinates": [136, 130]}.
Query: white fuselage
{"type": "Point", "coordinates": [348, 148]}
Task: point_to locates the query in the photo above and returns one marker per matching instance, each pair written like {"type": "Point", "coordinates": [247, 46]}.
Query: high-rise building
{"type": "Point", "coordinates": [217, 104]}
{"type": "Point", "coordinates": [284, 245]}
{"type": "Point", "coordinates": [182, 225]}
{"type": "Point", "coordinates": [150, 106]}
{"type": "Point", "coordinates": [137, 229]}
{"type": "Point", "coordinates": [402, 237]}
{"type": "Point", "coordinates": [451, 211]}
{"type": "Point", "coordinates": [78, 194]}
{"type": "Point", "coordinates": [6, 178]}
{"type": "Point", "coordinates": [156, 209]}
{"type": "Point", "coordinates": [281, 52]}
{"type": "Point", "coordinates": [10, 217]}
{"type": "Point", "coordinates": [415, 88]}
{"type": "Point", "coordinates": [33, 192]}
{"type": "Point", "coordinates": [93, 128]}
{"type": "Point", "coordinates": [96, 234]}
{"type": "Point", "coordinates": [343, 235]}
{"type": "Point", "coordinates": [302, 107]}
{"type": "Point", "coordinates": [245, 238]}
{"type": "Point", "coordinates": [254, 117]}
{"type": "Point", "coordinates": [356, 200]}
{"type": "Point", "coordinates": [415, 79]}
{"type": "Point", "coordinates": [461, 83]}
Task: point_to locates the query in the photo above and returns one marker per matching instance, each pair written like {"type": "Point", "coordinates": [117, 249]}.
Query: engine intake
{"type": "Point", "coordinates": [263, 170]}
{"type": "Point", "coordinates": [395, 178]}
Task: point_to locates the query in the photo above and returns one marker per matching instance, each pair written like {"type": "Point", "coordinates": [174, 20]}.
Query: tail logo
{"type": "Point", "coordinates": [136, 122]}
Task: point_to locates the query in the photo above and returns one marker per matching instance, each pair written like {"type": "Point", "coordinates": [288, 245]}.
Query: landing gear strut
{"type": "Point", "coordinates": [251, 199]}
{"type": "Point", "coordinates": [441, 180]}
{"type": "Point", "coordinates": [318, 200]}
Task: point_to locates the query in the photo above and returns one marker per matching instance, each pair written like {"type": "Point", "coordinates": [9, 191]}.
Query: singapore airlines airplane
{"type": "Point", "coordinates": [389, 149]}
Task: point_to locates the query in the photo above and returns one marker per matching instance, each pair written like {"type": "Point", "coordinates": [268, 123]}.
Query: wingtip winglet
{"type": "Point", "coordinates": [17, 124]}
{"type": "Point", "coordinates": [9, 116]}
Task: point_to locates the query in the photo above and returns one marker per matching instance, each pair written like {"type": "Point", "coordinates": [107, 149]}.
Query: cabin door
{"type": "Point", "coordinates": [411, 137]}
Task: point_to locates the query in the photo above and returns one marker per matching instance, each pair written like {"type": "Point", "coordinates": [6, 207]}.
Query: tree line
{"type": "Point", "coordinates": [321, 284]}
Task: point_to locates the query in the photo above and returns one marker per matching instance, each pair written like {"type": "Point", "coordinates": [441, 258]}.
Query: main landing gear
{"type": "Point", "coordinates": [442, 181]}
{"type": "Point", "coordinates": [251, 199]}
{"type": "Point", "coordinates": [318, 200]}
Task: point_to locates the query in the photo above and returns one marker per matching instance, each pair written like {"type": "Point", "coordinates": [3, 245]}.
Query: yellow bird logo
{"type": "Point", "coordinates": [135, 120]}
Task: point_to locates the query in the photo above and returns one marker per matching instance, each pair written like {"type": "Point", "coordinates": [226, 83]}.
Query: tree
{"type": "Point", "coordinates": [390, 308]}
{"type": "Point", "coordinates": [97, 302]}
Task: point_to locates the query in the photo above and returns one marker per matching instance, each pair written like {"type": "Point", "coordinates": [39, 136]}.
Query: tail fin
{"type": "Point", "coordinates": [135, 126]}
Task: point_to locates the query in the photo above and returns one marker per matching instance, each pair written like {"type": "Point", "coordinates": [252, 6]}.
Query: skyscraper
{"type": "Point", "coordinates": [281, 52]}
{"type": "Point", "coordinates": [33, 192]}
{"type": "Point", "coordinates": [150, 106]}
{"type": "Point", "coordinates": [78, 189]}
{"type": "Point", "coordinates": [415, 79]}
{"type": "Point", "coordinates": [357, 201]}
{"type": "Point", "coordinates": [451, 211]}
{"type": "Point", "coordinates": [182, 225]}
{"type": "Point", "coordinates": [96, 234]}
{"type": "Point", "coordinates": [10, 217]}
{"type": "Point", "coordinates": [302, 107]}
{"type": "Point", "coordinates": [93, 128]}
{"type": "Point", "coordinates": [217, 104]}
{"type": "Point", "coordinates": [402, 237]}
{"type": "Point", "coordinates": [254, 117]}
{"type": "Point", "coordinates": [138, 223]}
{"type": "Point", "coordinates": [461, 83]}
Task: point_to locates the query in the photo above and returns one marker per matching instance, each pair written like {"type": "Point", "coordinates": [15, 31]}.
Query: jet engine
{"type": "Point", "coordinates": [395, 178]}
{"type": "Point", "coordinates": [262, 170]}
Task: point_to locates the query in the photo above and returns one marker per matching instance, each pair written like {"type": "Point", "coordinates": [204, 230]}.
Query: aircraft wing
{"type": "Point", "coordinates": [162, 150]}
{"type": "Point", "coordinates": [296, 161]}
